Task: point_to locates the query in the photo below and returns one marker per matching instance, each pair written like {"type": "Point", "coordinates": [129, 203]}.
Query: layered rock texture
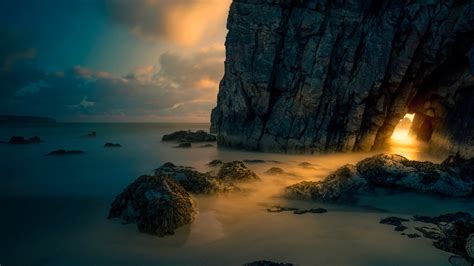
{"type": "Point", "coordinates": [314, 76]}
{"type": "Point", "coordinates": [454, 177]}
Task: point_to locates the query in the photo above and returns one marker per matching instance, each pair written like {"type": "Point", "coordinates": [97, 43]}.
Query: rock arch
{"type": "Point", "coordinates": [310, 76]}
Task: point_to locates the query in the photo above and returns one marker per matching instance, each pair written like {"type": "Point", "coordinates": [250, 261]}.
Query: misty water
{"type": "Point", "coordinates": [54, 209]}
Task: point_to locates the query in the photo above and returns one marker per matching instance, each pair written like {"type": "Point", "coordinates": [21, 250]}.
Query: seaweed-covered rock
{"type": "Point", "coordinates": [23, 140]}
{"type": "Point", "coordinates": [157, 204]}
{"type": "Point", "coordinates": [395, 171]}
{"type": "Point", "coordinates": [194, 181]}
{"type": "Point", "coordinates": [450, 178]}
{"type": "Point", "coordinates": [340, 185]}
{"type": "Point", "coordinates": [189, 136]}
{"type": "Point", "coordinates": [236, 171]}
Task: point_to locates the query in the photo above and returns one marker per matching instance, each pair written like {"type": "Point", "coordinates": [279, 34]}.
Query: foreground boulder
{"type": "Point", "coordinates": [157, 204]}
{"type": "Point", "coordinates": [189, 136]}
{"type": "Point", "coordinates": [451, 178]}
{"type": "Point", "coordinates": [194, 181]}
{"type": "Point", "coordinates": [236, 171]}
{"type": "Point", "coordinates": [23, 140]}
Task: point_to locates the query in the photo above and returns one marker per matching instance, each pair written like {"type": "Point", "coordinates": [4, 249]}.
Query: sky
{"type": "Point", "coordinates": [112, 60]}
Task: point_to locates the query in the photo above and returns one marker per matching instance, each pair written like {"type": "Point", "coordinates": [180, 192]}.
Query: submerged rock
{"type": "Point", "coordinates": [281, 209]}
{"type": "Point", "coordinates": [65, 152]}
{"type": "Point", "coordinates": [183, 145]}
{"type": "Point", "coordinates": [206, 146]}
{"type": "Point", "coordinates": [307, 165]}
{"type": "Point", "coordinates": [295, 210]}
{"type": "Point", "coordinates": [92, 134]}
{"type": "Point", "coordinates": [395, 221]}
{"type": "Point", "coordinates": [189, 136]}
{"type": "Point", "coordinates": [236, 171]}
{"type": "Point", "coordinates": [450, 178]}
{"type": "Point", "coordinates": [275, 171]}
{"type": "Point", "coordinates": [112, 145]}
{"type": "Point", "coordinates": [194, 181]}
{"type": "Point", "coordinates": [157, 204]}
{"type": "Point", "coordinates": [254, 161]}
{"type": "Point", "coordinates": [23, 140]}
{"type": "Point", "coordinates": [267, 263]}
{"type": "Point", "coordinates": [215, 163]}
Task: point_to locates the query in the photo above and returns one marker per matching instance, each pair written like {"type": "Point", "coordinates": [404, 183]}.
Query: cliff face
{"type": "Point", "coordinates": [315, 76]}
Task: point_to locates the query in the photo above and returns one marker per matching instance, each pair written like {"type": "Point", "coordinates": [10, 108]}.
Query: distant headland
{"type": "Point", "coordinates": [8, 119]}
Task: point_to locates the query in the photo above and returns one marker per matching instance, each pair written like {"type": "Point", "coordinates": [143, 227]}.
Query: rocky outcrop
{"type": "Point", "coordinates": [194, 181]}
{"type": "Point", "coordinates": [451, 231]}
{"type": "Point", "coordinates": [453, 178]}
{"type": "Point", "coordinates": [189, 136]}
{"type": "Point", "coordinates": [315, 76]}
{"type": "Point", "coordinates": [157, 204]}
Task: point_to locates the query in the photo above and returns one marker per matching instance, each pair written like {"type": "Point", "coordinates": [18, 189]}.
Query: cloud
{"type": "Point", "coordinates": [177, 88]}
{"type": "Point", "coordinates": [185, 22]}
{"type": "Point", "coordinates": [14, 47]}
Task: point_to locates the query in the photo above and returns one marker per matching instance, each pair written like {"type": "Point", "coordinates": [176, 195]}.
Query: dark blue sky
{"type": "Point", "coordinates": [111, 60]}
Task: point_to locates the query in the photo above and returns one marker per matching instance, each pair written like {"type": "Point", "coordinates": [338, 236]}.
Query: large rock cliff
{"type": "Point", "coordinates": [338, 75]}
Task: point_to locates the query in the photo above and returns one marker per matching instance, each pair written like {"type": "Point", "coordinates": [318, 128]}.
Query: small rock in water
{"type": "Point", "coordinates": [275, 171]}
{"type": "Point", "coordinates": [415, 235]}
{"type": "Point", "coordinates": [318, 210]}
{"type": "Point", "coordinates": [206, 146]}
{"type": "Point", "coordinates": [65, 152]}
{"type": "Point", "coordinates": [184, 145]}
{"type": "Point", "coordinates": [281, 209]}
{"type": "Point", "coordinates": [189, 136]}
{"type": "Point", "coordinates": [112, 145]}
{"type": "Point", "coordinates": [307, 165]}
{"type": "Point", "coordinates": [23, 140]}
{"type": "Point", "coordinates": [267, 263]}
{"type": "Point", "coordinates": [428, 233]}
{"type": "Point", "coordinates": [92, 134]}
{"type": "Point", "coordinates": [254, 161]}
{"type": "Point", "coordinates": [215, 163]}
{"type": "Point", "coordinates": [395, 221]}
{"type": "Point", "coordinates": [236, 171]}
{"type": "Point", "coordinates": [300, 211]}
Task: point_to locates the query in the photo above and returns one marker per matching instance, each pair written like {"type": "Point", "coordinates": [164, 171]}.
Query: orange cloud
{"type": "Point", "coordinates": [185, 22]}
